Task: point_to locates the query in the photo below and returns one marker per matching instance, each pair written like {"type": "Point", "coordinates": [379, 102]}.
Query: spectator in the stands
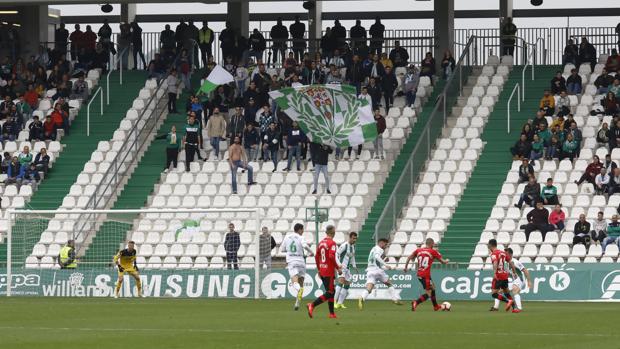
{"type": "Point", "coordinates": [582, 231]}
{"type": "Point", "coordinates": [166, 39]}
{"type": "Point", "coordinates": [545, 136]}
{"type": "Point", "coordinates": [399, 55]}
{"type": "Point", "coordinates": [76, 38]}
{"type": "Point", "coordinates": [571, 53]}
{"type": "Point", "coordinates": [592, 170]}
{"type": "Point", "coordinates": [526, 170]}
{"type": "Point", "coordinates": [615, 87]}
{"type": "Point", "coordinates": [538, 148]}
{"type": "Point", "coordinates": [389, 83]}
{"type": "Point", "coordinates": [557, 217]}
{"type": "Point", "coordinates": [614, 136]}
{"type": "Point", "coordinates": [35, 129]}
{"type": "Point", "coordinates": [232, 242]}
{"type": "Point", "coordinates": [238, 159]}
{"type": "Point", "coordinates": [294, 141]}
{"type": "Point", "coordinates": [28, 176]}
{"type": "Point", "coordinates": [562, 104]}
{"type": "Point", "coordinates": [136, 43]}
{"type": "Point", "coordinates": [10, 130]}
{"type": "Point", "coordinates": [528, 131]}
{"type": "Point", "coordinates": [297, 30]}
{"type": "Point", "coordinates": [12, 171]}
{"type": "Point", "coordinates": [610, 104]}
{"type": "Point", "coordinates": [508, 37]}
{"type": "Point", "coordinates": [609, 164]}
{"type": "Point", "coordinates": [49, 129]}
{"type": "Point", "coordinates": [89, 39]}
{"type": "Point", "coordinates": [25, 158]}
{"type": "Point", "coordinates": [427, 66]}
{"type": "Point", "coordinates": [599, 229]}
{"type": "Point", "coordinates": [358, 36]}
{"type": "Point", "coordinates": [574, 83]}
{"type": "Point", "coordinates": [410, 85]}
{"type": "Point", "coordinates": [521, 148]}
{"type": "Point", "coordinates": [447, 64]}
{"type": "Point", "coordinates": [156, 68]}
{"type": "Point", "coordinates": [320, 154]}
{"type": "Point", "coordinates": [355, 73]}
{"type": "Point", "coordinates": [602, 136]}
{"type": "Point", "coordinates": [236, 125]}
{"type": "Point", "coordinates": [538, 219]}
{"type": "Point", "coordinates": [375, 69]}
{"type": "Point", "coordinates": [251, 140]}
{"type": "Point", "coordinates": [376, 36]}
{"type": "Point", "coordinates": [339, 33]}
{"type": "Point", "coordinates": [531, 193]}
{"type": "Point", "coordinates": [613, 233]}
{"type": "Point", "coordinates": [80, 89]}
{"type": "Point", "coordinates": [216, 131]}
{"type": "Point", "coordinates": [614, 182]}
{"type": "Point", "coordinates": [61, 37]}
{"type": "Point", "coordinates": [540, 118]}
{"type": "Point", "coordinates": [258, 44]}
{"type": "Point", "coordinates": [603, 81]}
{"type": "Point", "coordinates": [558, 83]}
{"type": "Point", "coordinates": [173, 143]}
{"type": "Point", "coordinates": [279, 35]}
{"type": "Point", "coordinates": [613, 61]}
{"type": "Point", "coordinates": [587, 53]}
{"type": "Point", "coordinates": [570, 148]}
{"type": "Point", "coordinates": [547, 103]}
{"type": "Point", "coordinates": [271, 144]}
{"type": "Point", "coordinates": [42, 161]}
{"type": "Point", "coordinates": [601, 182]}
{"type": "Point", "coordinates": [172, 90]}
{"type": "Point", "coordinates": [105, 37]}
{"type": "Point", "coordinates": [378, 142]}
{"type": "Point", "coordinates": [549, 193]}
{"type": "Point", "coordinates": [375, 92]}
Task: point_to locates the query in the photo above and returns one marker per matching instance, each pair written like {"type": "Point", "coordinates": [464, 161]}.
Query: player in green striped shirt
{"type": "Point", "coordinates": [345, 256]}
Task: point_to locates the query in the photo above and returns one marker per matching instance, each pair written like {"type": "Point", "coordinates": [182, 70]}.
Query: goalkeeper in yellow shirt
{"type": "Point", "coordinates": [125, 261]}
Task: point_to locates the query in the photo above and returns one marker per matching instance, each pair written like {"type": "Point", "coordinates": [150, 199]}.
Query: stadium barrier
{"type": "Point", "coordinates": [566, 282]}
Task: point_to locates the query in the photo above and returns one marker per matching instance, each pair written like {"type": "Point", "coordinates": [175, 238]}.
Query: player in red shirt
{"type": "Point", "coordinates": [326, 262]}
{"type": "Point", "coordinates": [501, 261]}
{"type": "Point", "coordinates": [424, 257]}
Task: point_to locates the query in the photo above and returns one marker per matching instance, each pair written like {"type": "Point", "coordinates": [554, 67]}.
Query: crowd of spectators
{"type": "Point", "coordinates": [561, 139]}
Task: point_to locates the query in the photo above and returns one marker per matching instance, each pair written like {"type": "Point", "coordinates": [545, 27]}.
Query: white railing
{"type": "Point", "coordinates": [113, 63]}
{"type": "Point", "coordinates": [531, 62]}
{"type": "Point", "coordinates": [98, 91]}
{"type": "Point", "coordinates": [515, 89]}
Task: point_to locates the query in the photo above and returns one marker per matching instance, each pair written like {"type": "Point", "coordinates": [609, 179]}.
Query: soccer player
{"type": "Point", "coordinates": [375, 273]}
{"type": "Point", "coordinates": [125, 261]}
{"type": "Point", "coordinates": [501, 261]}
{"type": "Point", "coordinates": [345, 256]}
{"type": "Point", "coordinates": [326, 263]}
{"type": "Point", "coordinates": [424, 257]}
{"type": "Point", "coordinates": [519, 275]}
{"type": "Point", "coordinates": [294, 245]}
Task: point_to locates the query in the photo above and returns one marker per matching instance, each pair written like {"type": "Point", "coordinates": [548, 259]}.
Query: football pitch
{"type": "Point", "coordinates": [223, 323]}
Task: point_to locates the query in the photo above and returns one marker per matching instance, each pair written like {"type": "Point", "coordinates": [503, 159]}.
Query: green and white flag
{"type": "Point", "coordinates": [329, 114]}
{"type": "Point", "coordinates": [218, 76]}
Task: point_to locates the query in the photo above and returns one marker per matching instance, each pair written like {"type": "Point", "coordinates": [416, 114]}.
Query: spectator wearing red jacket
{"type": "Point", "coordinates": [378, 142]}
{"type": "Point", "coordinates": [49, 131]}
{"type": "Point", "coordinates": [557, 218]}
{"type": "Point", "coordinates": [593, 169]}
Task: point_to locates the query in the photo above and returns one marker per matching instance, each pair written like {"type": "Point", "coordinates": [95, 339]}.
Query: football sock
{"type": "Point", "coordinates": [392, 292]}
{"type": "Point", "coordinates": [422, 298]}
{"type": "Point", "coordinates": [330, 305]}
{"type": "Point", "coordinates": [433, 298]}
{"type": "Point", "coordinates": [300, 293]}
{"type": "Point", "coordinates": [343, 294]}
{"type": "Point", "coordinates": [319, 300]}
{"type": "Point", "coordinates": [507, 296]}
{"type": "Point", "coordinates": [139, 287]}
{"type": "Point", "coordinates": [496, 303]}
{"type": "Point", "coordinates": [499, 297]}
{"type": "Point", "coordinates": [517, 298]}
{"type": "Point", "coordinates": [337, 295]}
{"type": "Point", "coordinates": [118, 287]}
{"type": "Point", "coordinates": [365, 294]}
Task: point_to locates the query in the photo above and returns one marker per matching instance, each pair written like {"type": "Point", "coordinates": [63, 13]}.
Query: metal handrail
{"type": "Point", "coordinates": [123, 153]}
{"type": "Point", "coordinates": [88, 108]}
{"type": "Point", "coordinates": [439, 103]}
{"type": "Point", "coordinates": [516, 88]}
{"type": "Point", "coordinates": [112, 65]}
{"type": "Point", "coordinates": [530, 62]}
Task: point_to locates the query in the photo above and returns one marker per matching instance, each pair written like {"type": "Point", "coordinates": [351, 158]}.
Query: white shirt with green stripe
{"type": "Point", "coordinates": [346, 255]}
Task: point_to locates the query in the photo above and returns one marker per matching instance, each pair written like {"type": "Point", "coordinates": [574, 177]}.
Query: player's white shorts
{"type": "Point", "coordinates": [346, 274]}
{"type": "Point", "coordinates": [375, 276]}
{"type": "Point", "coordinates": [296, 269]}
{"type": "Point", "coordinates": [516, 282]}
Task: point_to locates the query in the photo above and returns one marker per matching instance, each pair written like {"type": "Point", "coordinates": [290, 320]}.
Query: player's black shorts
{"type": "Point", "coordinates": [328, 283]}
{"type": "Point", "coordinates": [499, 284]}
{"type": "Point", "coordinates": [426, 282]}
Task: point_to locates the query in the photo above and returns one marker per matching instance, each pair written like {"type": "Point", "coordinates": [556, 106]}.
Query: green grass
{"type": "Point", "coordinates": [191, 323]}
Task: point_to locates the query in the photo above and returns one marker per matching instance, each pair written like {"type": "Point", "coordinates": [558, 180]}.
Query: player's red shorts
{"type": "Point", "coordinates": [499, 284]}
{"type": "Point", "coordinates": [426, 282]}
{"type": "Point", "coordinates": [328, 283]}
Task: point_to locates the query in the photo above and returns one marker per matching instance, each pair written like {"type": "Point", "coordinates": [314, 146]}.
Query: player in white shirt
{"type": "Point", "coordinates": [294, 245]}
{"type": "Point", "coordinates": [375, 273]}
{"type": "Point", "coordinates": [518, 276]}
{"type": "Point", "coordinates": [345, 256]}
